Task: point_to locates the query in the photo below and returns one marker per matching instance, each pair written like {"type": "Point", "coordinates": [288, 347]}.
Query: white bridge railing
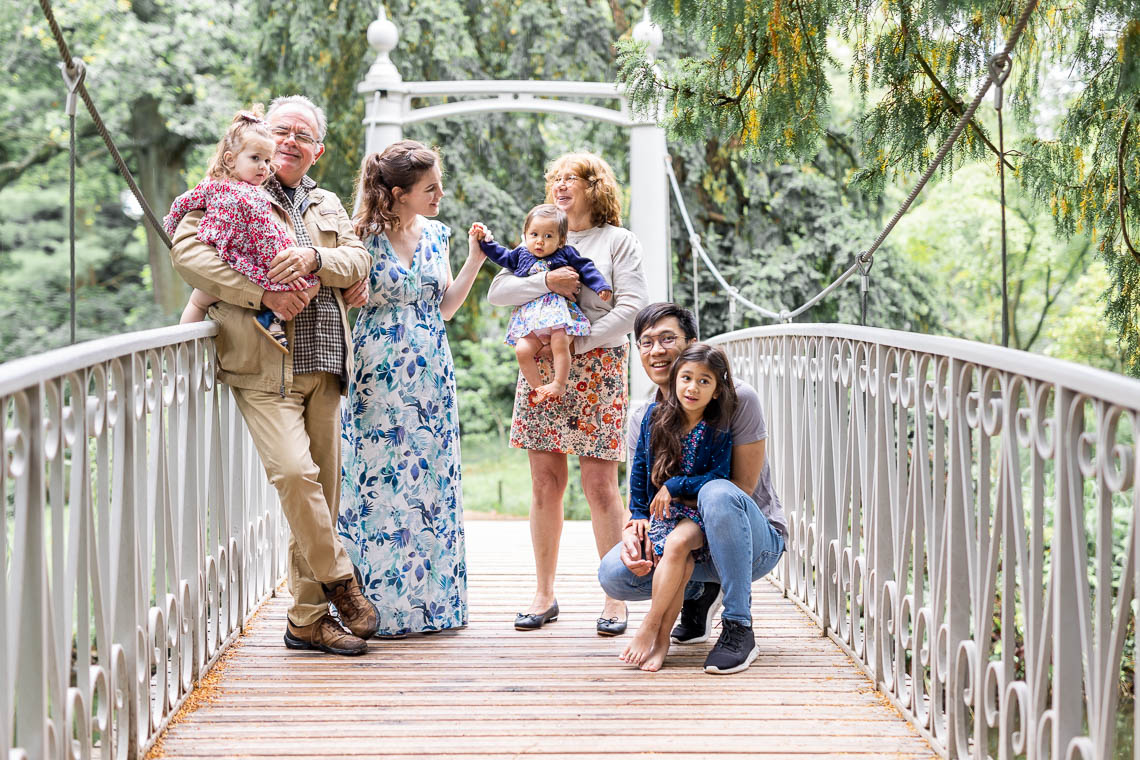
{"type": "Point", "coordinates": [139, 534]}
{"type": "Point", "coordinates": [963, 523]}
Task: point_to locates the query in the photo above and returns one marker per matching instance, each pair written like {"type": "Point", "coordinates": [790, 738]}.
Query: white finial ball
{"type": "Point", "coordinates": [648, 32]}
{"type": "Point", "coordinates": [383, 34]}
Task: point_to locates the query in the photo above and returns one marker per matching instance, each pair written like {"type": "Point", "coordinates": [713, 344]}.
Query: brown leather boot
{"type": "Point", "coordinates": [324, 635]}
{"type": "Point", "coordinates": [357, 613]}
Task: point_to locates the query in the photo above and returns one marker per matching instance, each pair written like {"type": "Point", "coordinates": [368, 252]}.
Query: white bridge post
{"type": "Point", "coordinates": [649, 204]}
{"type": "Point", "coordinates": [384, 111]}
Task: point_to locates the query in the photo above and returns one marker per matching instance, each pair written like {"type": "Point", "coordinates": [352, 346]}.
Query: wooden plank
{"type": "Point", "coordinates": [489, 691]}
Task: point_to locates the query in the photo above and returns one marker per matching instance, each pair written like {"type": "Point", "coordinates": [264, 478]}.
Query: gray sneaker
{"type": "Point", "coordinates": [734, 651]}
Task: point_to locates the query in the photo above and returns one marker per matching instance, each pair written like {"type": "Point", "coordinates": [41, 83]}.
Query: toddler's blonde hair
{"type": "Point", "coordinates": [247, 125]}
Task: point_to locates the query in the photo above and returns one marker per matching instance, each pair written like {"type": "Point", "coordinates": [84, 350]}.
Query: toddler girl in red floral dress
{"type": "Point", "coordinates": [239, 220]}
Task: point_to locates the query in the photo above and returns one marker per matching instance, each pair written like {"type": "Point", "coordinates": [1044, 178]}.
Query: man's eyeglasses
{"type": "Point", "coordinates": [666, 341]}
{"type": "Point", "coordinates": [304, 138]}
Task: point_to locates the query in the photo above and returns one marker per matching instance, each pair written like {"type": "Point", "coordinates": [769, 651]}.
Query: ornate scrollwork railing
{"type": "Point", "coordinates": [139, 534]}
{"type": "Point", "coordinates": [963, 523]}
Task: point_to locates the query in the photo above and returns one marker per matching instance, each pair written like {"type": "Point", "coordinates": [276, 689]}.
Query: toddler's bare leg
{"type": "Point", "coordinates": [560, 348]}
{"type": "Point", "coordinates": [669, 578]}
{"type": "Point", "coordinates": [525, 349]}
{"type": "Point", "coordinates": [195, 310]}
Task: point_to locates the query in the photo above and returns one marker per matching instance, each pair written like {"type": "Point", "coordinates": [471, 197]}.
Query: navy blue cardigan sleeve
{"type": "Point", "coordinates": [640, 485]}
{"type": "Point", "coordinates": [719, 462]}
{"type": "Point", "coordinates": [591, 277]}
{"type": "Point", "coordinates": [507, 259]}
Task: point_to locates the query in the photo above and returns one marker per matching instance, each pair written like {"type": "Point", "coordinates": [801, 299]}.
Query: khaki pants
{"type": "Point", "coordinates": [298, 438]}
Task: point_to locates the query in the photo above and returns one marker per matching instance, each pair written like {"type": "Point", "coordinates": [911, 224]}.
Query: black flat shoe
{"type": "Point", "coordinates": [613, 626]}
{"type": "Point", "coordinates": [535, 620]}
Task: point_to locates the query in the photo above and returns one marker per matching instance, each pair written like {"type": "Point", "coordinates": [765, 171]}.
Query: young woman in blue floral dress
{"type": "Point", "coordinates": [401, 515]}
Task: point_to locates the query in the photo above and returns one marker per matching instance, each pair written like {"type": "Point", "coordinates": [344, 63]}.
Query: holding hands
{"type": "Point", "coordinates": [476, 235]}
{"type": "Point", "coordinates": [479, 233]}
{"type": "Point", "coordinates": [636, 549]}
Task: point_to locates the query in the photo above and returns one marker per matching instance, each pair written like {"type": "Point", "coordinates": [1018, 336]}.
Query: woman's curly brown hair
{"type": "Point", "coordinates": [602, 189]}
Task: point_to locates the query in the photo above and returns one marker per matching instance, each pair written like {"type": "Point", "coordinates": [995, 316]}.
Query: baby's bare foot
{"type": "Point", "coordinates": [640, 648]}
{"type": "Point", "coordinates": [656, 658]}
{"type": "Point", "coordinates": [551, 390]}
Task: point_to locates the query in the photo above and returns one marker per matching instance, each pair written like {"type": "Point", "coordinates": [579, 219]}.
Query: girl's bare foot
{"type": "Point", "coordinates": [641, 646]}
{"type": "Point", "coordinates": [551, 390]}
{"type": "Point", "coordinates": [656, 658]}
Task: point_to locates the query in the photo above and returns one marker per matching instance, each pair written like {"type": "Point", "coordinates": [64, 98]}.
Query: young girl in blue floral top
{"type": "Point", "coordinates": [685, 442]}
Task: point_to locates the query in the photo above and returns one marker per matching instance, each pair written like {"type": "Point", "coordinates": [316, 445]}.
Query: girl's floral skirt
{"type": "Point", "coordinates": [589, 419]}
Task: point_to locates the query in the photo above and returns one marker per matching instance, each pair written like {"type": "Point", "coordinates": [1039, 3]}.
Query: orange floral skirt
{"type": "Point", "coordinates": [589, 419]}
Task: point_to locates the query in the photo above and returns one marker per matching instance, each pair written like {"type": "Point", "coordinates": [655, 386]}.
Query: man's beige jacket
{"type": "Point", "coordinates": [245, 357]}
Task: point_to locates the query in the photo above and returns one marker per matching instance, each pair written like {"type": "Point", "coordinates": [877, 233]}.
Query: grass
{"type": "Point", "coordinates": [496, 481]}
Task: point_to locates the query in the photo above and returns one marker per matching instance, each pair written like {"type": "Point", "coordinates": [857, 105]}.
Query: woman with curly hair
{"type": "Point", "coordinates": [588, 420]}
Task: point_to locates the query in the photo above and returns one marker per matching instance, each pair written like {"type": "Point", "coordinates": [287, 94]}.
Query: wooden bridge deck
{"type": "Point", "coordinates": [491, 692]}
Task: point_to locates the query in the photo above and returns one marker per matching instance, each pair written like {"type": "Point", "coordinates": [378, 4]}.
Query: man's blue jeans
{"type": "Point", "coordinates": [742, 543]}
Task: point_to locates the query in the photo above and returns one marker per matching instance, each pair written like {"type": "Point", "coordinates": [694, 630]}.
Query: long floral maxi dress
{"type": "Point", "coordinates": [401, 514]}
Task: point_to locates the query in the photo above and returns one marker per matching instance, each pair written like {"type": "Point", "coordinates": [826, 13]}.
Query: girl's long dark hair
{"type": "Point", "coordinates": [667, 429]}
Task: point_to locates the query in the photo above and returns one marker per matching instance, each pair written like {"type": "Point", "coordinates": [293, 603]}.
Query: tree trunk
{"type": "Point", "coordinates": [161, 157]}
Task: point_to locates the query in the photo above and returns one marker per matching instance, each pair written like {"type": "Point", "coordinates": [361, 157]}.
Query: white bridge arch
{"type": "Point", "coordinates": [391, 107]}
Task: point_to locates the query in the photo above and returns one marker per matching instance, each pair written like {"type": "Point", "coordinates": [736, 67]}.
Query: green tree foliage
{"type": "Point", "coordinates": [781, 233]}
{"type": "Point", "coordinates": [762, 76]}
{"type": "Point", "coordinates": [493, 164]}
{"type": "Point", "coordinates": [158, 73]}
{"type": "Point", "coordinates": [486, 386]}
{"type": "Point", "coordinates": [955, 231]}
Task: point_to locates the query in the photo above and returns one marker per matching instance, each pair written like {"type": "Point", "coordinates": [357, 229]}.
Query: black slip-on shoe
{"type": "Point", "coordinates": [535, 620]}
{"type": "Point", "coordinates": [613, 626]}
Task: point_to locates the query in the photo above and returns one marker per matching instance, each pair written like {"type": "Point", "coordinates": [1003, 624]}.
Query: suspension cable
{"type": "Point", "coordinates": [72, 77]}
{"type": "Point", "coordinates": [695, 241]}
{"type": "Point", "coordinates": [865, 257]}
{"type": "Point", "coordinates": [1000, 66]}
{"type": "Point", "coordinates": [72, 71]}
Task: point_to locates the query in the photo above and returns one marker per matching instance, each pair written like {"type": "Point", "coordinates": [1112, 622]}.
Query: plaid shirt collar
{"type": "Point", "coordinates": [300, 197]}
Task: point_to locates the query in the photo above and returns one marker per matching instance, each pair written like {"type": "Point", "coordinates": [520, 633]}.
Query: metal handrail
{"type": "Point", "coordinates": [139, 536]}
{"type": "Point", "coordinates": [954, 511]}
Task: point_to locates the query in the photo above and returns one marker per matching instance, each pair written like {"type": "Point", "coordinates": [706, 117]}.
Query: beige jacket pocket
{"type": "Point", "coordinates": [327, 231]}
{"type": "Point", "coordinates": [239, 341]}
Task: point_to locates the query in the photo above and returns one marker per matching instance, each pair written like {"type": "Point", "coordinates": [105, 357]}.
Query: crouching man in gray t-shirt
{"type": "Point", "coordinates": [745, 533]}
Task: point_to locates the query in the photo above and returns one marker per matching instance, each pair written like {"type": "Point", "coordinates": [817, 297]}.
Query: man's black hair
{"type": "Point", "coordinates": [655, 312]}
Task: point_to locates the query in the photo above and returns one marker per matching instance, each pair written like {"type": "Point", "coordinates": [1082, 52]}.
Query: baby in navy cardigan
{"type": "Point", "coordinates": [549, 319]}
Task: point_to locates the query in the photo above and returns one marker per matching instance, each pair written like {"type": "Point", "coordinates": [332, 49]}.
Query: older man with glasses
{"type": "Point", "coordinates": [744, 520]}
{"type": "Point", "coordinates": [290, 402]}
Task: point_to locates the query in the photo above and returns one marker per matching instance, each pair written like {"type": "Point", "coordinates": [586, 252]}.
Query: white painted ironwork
{"type": "Point", "coordinates": [139, 533]}
{"type": "Point", "coordinates": [963, 523]}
